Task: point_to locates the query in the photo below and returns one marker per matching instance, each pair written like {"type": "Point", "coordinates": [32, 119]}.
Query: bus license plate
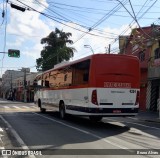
{"type": "Point", "coordinates": [116, 111]}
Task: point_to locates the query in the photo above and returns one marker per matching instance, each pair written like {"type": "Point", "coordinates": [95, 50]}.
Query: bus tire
{"type": "Point", "coordinates": [95, 118]}
{"type": "Point", "coordinates": [62, 110]}
{"type": "Point", "coordinates": [42, 110]}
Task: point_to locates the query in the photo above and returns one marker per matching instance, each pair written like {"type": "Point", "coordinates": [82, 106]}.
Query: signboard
{"type": "Point", "coordinates": [27, 70]}
{"type": "Point", "coordinates": [116, 85]}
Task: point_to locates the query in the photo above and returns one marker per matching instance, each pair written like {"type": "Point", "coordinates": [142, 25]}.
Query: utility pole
{"type": "Point", "coordinates": [109, 49]}
{"type": "Point", "coordinates": [11, 91]}
{"type": "Point", "coordinates": [25, 90]}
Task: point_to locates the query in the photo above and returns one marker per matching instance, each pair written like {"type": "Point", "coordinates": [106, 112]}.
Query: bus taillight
{"type": "Point", "coordinates": [137, 98]}
{"type": "Point", "coordinates": [94, 97]}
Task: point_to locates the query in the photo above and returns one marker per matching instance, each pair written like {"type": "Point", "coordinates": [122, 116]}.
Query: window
{"type": "Point", "coordinates": [81, 73]}
{"type": "Point", "coordinates": [142, 56]}
{"type": "Point", "coordinates": [65, 77]}
{"type": "Point", "coordinates": [157, 53]}
{"type": "Point", "coordinates": [61, 77]}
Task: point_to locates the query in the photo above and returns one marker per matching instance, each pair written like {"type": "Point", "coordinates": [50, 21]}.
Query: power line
{"type": "Point", "coordinates": [99, 22]}
{"type": "Point", "coordinates": [67, 17]}
{"type": "Point", "coordinates": [130, 23]}
{"type": "Point", "coordinates": [74, 12]}
{"type": "Point", "coordinates": [148, 8]}
{"type": "Point", "coordinates": [106, 16]}
{"type": "Point", "coordinates": [50, 17]}
{"type": "Point", "coordinates": [64, 18]}
{"type": "Point", "coordinates": [86, 10]}
{"type": "Point", "coordinates": [133, 21]}
{"type": "Point", "coordinates": [52, 10]}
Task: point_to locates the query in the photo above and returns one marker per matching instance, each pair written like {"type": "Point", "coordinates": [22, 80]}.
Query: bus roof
{"type": "Point", "coordinates": [89, 57]}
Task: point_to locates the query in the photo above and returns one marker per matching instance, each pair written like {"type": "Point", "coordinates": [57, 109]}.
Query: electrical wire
{"type": "Point", "coordinates": [99, 21]}
{"type": "Point", "coordinates": [129, 25]}
{"type": "Point", "coordinates": [50, 17]}
{"type": "Point", "coordinates": [132, 23]}
{"type": "Point", "coordinates": [85, 9]}
{"type": "Point", "coordinates": [107, 16]}
{"type": "Point", "coordinates": [64, 19]}
{"type": "Point", "coordinates": [149, 8]}
{"type": "Point", "coordinates": [52, 11]}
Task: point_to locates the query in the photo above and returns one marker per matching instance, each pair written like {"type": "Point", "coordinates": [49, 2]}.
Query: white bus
{"type": "Point", "coordinates": [97, 86]}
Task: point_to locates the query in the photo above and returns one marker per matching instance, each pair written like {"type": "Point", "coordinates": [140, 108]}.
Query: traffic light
{"type": "Point", "coordinates": [13, 53]}
{"type": "Point", "coordinates": [18, 7]}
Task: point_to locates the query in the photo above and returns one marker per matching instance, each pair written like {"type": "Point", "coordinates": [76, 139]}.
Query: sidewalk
{"type": "Point", "coordinates": [148, 116]}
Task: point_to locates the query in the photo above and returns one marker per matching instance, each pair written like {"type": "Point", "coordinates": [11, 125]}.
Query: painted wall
{"type": "Point", "coordinates": [138, 42]}
{"type": "Point", "coordinates": [143, 90]}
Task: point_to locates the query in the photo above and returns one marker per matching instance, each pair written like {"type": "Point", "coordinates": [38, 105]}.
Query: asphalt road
{"type": "Point", "coordinates": [35, 130]}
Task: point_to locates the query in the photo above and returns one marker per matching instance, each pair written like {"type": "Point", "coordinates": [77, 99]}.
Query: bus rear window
{"type": "Point", "coordinates": [119, 66]}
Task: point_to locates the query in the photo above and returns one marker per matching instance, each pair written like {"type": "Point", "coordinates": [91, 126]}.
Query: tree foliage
{"type": "Point", "coordinates": [56, 50]}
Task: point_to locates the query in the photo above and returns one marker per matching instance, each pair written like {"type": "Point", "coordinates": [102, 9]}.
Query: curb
{"type": "Point", "coordinates": [148, 120]}
{"type": "Point", "coordinates": [157, 121]}
{"type": "Point", "coordinates": [16, 136]}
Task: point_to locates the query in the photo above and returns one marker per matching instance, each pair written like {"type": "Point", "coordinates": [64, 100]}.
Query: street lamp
{"type": "Point", "coordinates": [88, 46]}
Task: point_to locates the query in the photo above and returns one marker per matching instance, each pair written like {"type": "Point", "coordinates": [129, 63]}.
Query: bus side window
{"type": "Point", "coordinates": [42, 83]}
{"type": "Point", "coordinates": [65, 77]}
{"type": "Point", "coordinates": [85, 77]}
{"type": "Point", "coordinates": [81, 73]}
{"type": "Point", "coordinates": [46, 83]}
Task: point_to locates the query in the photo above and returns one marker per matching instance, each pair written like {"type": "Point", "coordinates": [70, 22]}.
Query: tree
{"type": "Point", "coordinates": [55, 50]}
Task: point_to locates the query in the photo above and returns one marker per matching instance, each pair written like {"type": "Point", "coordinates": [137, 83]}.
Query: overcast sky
{"type": "Point", "coordinates": [106, 20]}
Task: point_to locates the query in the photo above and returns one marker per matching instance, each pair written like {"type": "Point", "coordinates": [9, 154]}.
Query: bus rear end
{"type": "Point", "coordinates": [114, 85]}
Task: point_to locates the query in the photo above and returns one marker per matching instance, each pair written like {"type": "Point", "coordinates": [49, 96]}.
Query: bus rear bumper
{"type": "Point", "coordinates": [110, 112]}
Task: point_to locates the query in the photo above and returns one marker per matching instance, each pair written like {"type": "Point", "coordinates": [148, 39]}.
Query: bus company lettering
{"type": "Point", "coordinates": [116, 85]}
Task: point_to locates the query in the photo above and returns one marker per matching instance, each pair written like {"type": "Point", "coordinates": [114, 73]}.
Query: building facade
{"type": "Point", "coordinates": [143, 43]}
{"type": "Point", "coordinates": [24, 87]}
{"type": "Point", "coordinates": [18, 85]}
{"type": "Point", "coordinates": [7, 87]}
{"type": "Point", "coordinates": [0, 87]}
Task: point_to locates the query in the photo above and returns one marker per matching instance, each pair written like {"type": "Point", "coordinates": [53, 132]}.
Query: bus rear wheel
{"type": "Point", "coordinates": [43, 110]}
{"type": "Point", "coordinates": [62, 111]}
{"type": "Point", "coordinates": [95, 118]}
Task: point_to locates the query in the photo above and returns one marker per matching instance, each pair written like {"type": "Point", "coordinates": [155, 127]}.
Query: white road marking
{"type": "Point", "coordinates": [25, 107]}
{"type": "Point", "coordinates": [34, 106]}
{"type": "Point", "coordinates": [6, 107]}
{"type": "Point", "coordinates": [1, 130]}
{"type": "Point", "coordinates": [134, 123]}
{"type": "Point", "coordinates": [16, 107]}
{"type": "Point", "coordinates": [18, 138]}
{"type": "Point", "coordinates": [133, 118]}
{"type": "Point", "coordinates": [83, 131]}
{"type": "Point", "coordinates": [20, 107]}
